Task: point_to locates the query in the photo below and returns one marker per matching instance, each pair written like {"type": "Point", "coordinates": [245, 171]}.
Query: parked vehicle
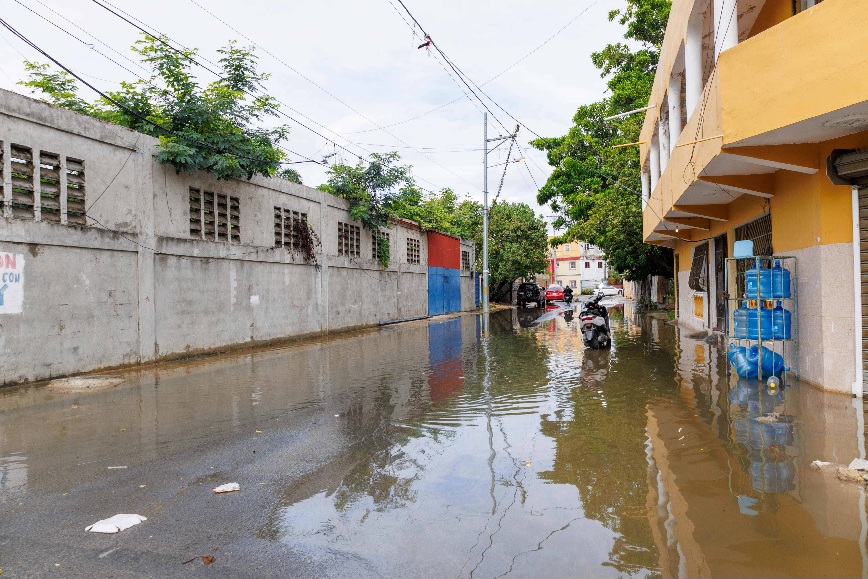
{"type": "Point", "coordinates": [568, 295]}
{"type": "Point", "coordinates": [529, 293]}
{"type": "Point", "coordinates": [610, 290]}
{"type": "Point", "coordinates": [595, 323]}
{"type": "Point", "coordinates": [555, 293]}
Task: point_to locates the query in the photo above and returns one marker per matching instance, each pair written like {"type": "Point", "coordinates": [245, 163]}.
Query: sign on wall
{"type": "Point", "coordinates": [11, 283]}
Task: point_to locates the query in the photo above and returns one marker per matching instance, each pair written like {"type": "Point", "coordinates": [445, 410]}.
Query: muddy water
{"type": "Point", "coordinates": [435, 452]}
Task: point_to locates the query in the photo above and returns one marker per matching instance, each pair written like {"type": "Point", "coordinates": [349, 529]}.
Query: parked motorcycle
{"type": "Point", "coordinates": [595, 323]}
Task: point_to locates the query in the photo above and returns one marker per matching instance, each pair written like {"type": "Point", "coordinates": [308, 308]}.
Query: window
{"type": "Point", "coordinates": [375, 244]}
{"type": "Point", "coordinates": [414, 254]}
{"type": "Point", "coordinates": [286, 224]}
{"type": "Point", "coordinates": [801, 5]}
{"type": "Point", "coordinates": [587, 264]}
{"type": "Point", "coordinates": [572, 265]}
{"type": "Point", "coordinates": [49, 187]}
{"type": "Point", "coordinates": [23, 198]}
{"type": "Point", "coordinates": [599, 265]}
{"type": "Point", "coordinates": [566, 247]}
{"type": "Point", "coordinates": [349, 239]}
{"type": "Point", "coordinates": [698, 280]}
{"type": "Point", "coordinates": [214, 217]}
{"type": "Point", "coordinates": [75, 192]}
{"type": "Point", "coordinates": [572, 283]}
{"type": "Point", "coordinates": [465, 260]}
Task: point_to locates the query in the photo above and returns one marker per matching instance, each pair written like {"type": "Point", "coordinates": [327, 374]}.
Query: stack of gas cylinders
{"type": "Point", "coordinates": [764, 287]}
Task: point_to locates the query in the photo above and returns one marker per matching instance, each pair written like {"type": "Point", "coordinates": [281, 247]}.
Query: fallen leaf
{"type": "Point", "coordinates": [207, 559]}
{"type": "Point", "coordinates": [258, 432]}
{"type": "Point", "coordinates": [142, 486]}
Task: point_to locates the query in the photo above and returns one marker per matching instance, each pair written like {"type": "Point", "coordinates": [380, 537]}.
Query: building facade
{"type": "Point", "coordinates": [577, 265]}
{"type": "Point", "coordinates": [108, 257]}
{"type": "Point", "coordinates": [750, 99]}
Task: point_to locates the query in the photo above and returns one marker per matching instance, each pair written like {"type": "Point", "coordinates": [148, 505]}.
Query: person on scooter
{"type": "Point", "coordinates": [568, 294]}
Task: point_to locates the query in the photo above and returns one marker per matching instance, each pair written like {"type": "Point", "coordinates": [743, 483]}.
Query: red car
{"type": "Point", "coordinates": [555, 293]}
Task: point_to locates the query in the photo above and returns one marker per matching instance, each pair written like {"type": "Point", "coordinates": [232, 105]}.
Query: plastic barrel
{"type": "Point", "coordinates": [740, 321]}
{"type": "Point", "coordinates": [738, 357]}
{"type": "Point", "coordinates": [761, 281]}
{"type": "Point", "coordinates": [763, 327]}
{"type": "Point", "coordinates": [782, 323]}
{"type": "Point", "coordinates": [781, 286]}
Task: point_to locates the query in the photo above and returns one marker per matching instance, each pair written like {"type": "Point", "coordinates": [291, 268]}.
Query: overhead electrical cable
{"type": "Point", "coordinates": [122, 107]}
{"type": "Point", "coordinates": [493, 78]}
{"type": "Point", "coordinates": [341, 101]}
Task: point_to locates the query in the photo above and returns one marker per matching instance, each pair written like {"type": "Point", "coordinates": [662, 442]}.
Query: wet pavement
{"type": "Point", "coordinates": [424, 450]}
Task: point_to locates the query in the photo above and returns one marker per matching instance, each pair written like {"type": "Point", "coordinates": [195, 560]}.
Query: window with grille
{"type": "Point", "coordinates": [698, 280]}
{"type": "Point", "coordinates": [414, 254]}
{"type": "Point", "coordinates": [375, 243]}
{"type": "Point", "coordinates": [49, 187]}
{"type": "Point", "coordinates": [75, 192]}
{"type": "Point", "coordinates": [465, 260]}
{"type": "Point", "coordinates": [214, 216]}
{"type": "Point", "coordinates": [587, 264]}
{"type": "Point", "coordinates": [599, 265]}
{"type": "Point", "coordinates": [349, 239]}
{"type": "Point", "coordinates": [760, 232]}
{"type": "Point", "coordinates": [286, 224]}
{"type": "Point", "coordinates": [572, 265]}
{"type": "Point", "coordinates": [23, 196]}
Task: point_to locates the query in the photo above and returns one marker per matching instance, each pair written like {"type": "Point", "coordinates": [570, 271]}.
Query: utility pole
{"type": "Point", "coordinates": [485, 141]}
{"type": "Point", "coordinates": [485, 305]}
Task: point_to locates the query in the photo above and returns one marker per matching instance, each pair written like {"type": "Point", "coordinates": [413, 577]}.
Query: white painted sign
{"type": "Point", "coordinates": [11, 283]}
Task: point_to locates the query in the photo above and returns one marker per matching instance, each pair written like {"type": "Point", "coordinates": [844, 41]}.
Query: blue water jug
{"type": "Point", "coordinates": [738, 357]}
{"type": "Point", "coordinates": [772, 362]}
{"type": "Point", "coordinates": [740, 321]}
{"type": "Point", "coordinates": [763, 282]}
{"type": "Point", "coordinates": [759, 324]}
{"type": "Point", "coordinates": [782, 328]}
{"type": "Point", "coordinates": [781, 287]}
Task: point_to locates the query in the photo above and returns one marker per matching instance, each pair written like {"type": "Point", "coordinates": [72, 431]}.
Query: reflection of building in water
{"type": "Point", "coordinates": [446, 375]}
{"type": "Point", "coordinates": [725, 478]}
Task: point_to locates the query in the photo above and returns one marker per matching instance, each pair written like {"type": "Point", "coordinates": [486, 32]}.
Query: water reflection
{"type": "Point", "coordinates": [518, 454]}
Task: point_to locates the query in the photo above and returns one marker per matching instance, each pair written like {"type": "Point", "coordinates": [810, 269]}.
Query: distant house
{"type": "Point", "coordinates": [577, 265]}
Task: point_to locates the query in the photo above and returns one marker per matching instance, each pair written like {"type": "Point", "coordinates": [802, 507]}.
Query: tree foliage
{"type": "Point", "coordinates": [594, 188]}
{"type": "Point", "coordinates": [215, 127]}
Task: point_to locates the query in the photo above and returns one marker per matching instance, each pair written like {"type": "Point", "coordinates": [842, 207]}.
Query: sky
{"type": "Point", "coordinates": [351, 67]}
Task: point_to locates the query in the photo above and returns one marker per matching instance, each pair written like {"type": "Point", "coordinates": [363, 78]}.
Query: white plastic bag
{"type": "Point", "coordinates": [116, 523]}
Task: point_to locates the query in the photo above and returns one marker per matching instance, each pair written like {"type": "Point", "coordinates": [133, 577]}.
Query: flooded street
{"type": "Point", "coordinates": [424, 450]}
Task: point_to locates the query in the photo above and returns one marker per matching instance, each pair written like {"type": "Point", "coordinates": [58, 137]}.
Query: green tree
{"type": "Point", "coordinates": [594, 188]}
{"type": "Point", "coordinates": [215, 128]}
{"type": "Point", "coordinates": [290, 175]}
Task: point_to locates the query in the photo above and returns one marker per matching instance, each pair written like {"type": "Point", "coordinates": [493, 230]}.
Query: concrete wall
{"type": "Point", "coordinates": [134, 285]}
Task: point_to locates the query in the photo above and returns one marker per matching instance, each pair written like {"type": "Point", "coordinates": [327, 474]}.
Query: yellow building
{"type": "Point", "coordinates": [750, 99]}
{"type": "Point", "coordinates": [577, 265]}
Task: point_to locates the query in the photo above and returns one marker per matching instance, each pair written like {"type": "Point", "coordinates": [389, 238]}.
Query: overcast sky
{"type": "Point", "coordinates": [364, 53]}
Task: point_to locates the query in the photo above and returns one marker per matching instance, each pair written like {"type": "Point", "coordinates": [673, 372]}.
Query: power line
{"type": "Point", "coordinates": [293, 69]}
{"type": "Point", "coordinates": [119, 105]}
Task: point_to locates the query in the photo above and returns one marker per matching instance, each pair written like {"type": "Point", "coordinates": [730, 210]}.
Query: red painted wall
{"type": "Point", "coordinates": [443, 251]}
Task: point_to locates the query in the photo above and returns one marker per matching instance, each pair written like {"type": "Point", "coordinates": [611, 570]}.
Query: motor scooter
{"type": "Point", "coordinates": [595, 323]}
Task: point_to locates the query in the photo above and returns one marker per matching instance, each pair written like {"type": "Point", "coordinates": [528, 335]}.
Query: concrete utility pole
{"type": "Point", "coordinates": [485, 305]}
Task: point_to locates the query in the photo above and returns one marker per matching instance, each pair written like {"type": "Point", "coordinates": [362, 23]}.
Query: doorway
{"type": "Point", "coordinates": [721, 249]}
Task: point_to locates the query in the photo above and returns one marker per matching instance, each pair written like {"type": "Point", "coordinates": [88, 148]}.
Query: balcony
{"type": "Point", "coordinates": [773, 98]}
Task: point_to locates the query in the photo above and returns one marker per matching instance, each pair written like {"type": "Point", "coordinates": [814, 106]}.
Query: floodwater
{"type": "Point", "coordinates": [427, 450]}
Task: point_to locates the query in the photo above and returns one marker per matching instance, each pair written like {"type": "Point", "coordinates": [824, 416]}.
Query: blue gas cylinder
{"type": "Point", "coordinates": [761, 281]}
{"type": "Point", "coordinates": [782, 328]}
{"type": "Point", "coordinates": [781, 287]}
{"type": "Point", "coordinates": [738, 357]}
{"type": "Point", "coordinates": [772, 362]}
{"type": "Point", "coordinates": [740, 320]}
{"type": "Point", "coordinates": [763, 328]}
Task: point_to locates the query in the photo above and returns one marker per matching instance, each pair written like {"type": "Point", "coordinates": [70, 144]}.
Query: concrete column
{"type": "Point", "coordinates": [674, 110]}
{"type": "Point", "coordinates": [663, 135]}
{"type": "Point", "coordinates": [646, 187]}
{"type": "Point", "coordinates": [693, 64]}
{"type": "Point", "coordinates": [726, 23]}
{"type": "Point", "coordinates": [144, 167]}
{"type": "Point", "coordinates": [654, 154]}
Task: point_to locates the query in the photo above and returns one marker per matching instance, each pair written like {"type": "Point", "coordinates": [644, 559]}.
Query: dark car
{"type": "Point", "coordinates": [529, 293]}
